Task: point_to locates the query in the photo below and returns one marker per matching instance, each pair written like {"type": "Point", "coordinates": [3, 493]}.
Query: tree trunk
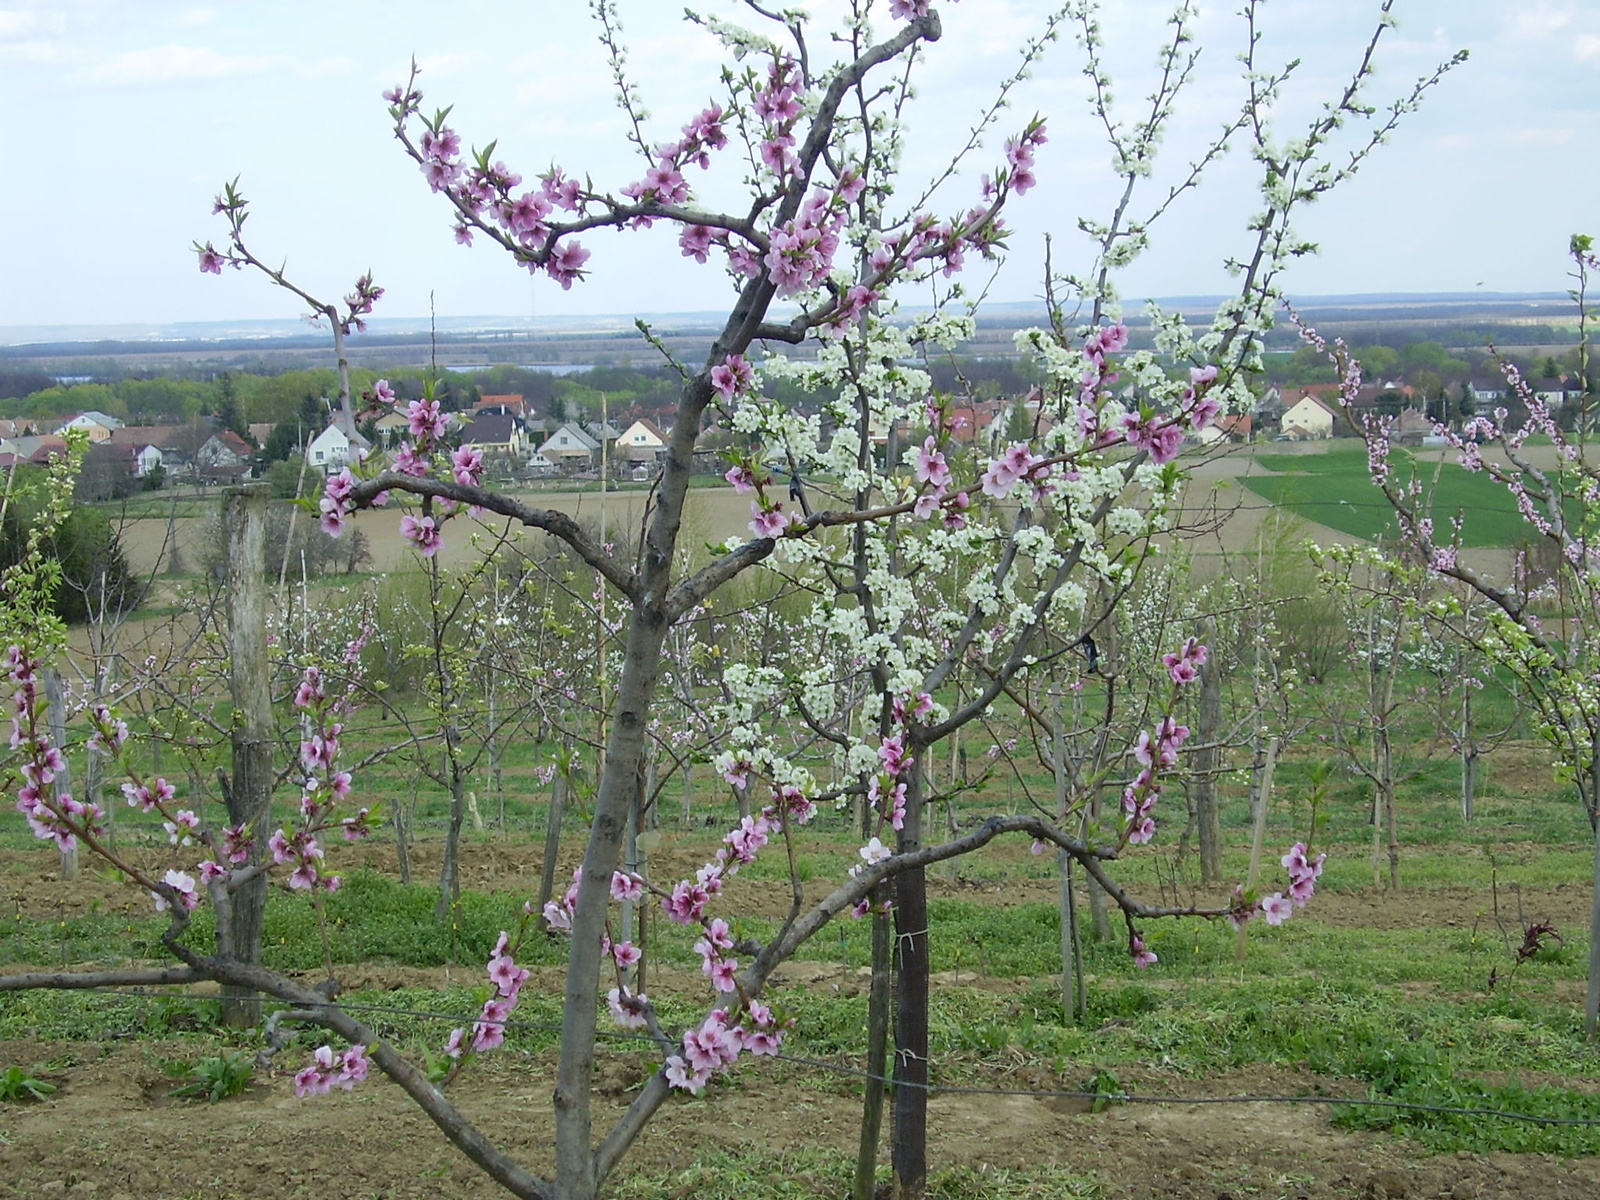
{"type": "Point", "coordinates": [1072, 984]}
{"type": "Point", "coordinates": [1260, 803]}
{"type": "Point", "coordinates": [249, 792]}
{"type": "Point", "coordinates": [909, 1153]}
{"type": "Point", "coordinates": [57, 716]}
{"type": "Point", "coordinates": [1591, 1005]}
{"type": "Point", "coordinates": [402, 842]}
{"type": "Point", "coordinates": [1207, 763]}
{"type": "Point", "coordinates": [450, 861]}
{"type": "Point", "coordinates": [877, 1049]}
{"type": "Point", "coordinates": [1099, 916]}
{"type": "Point", "coordinates": [552, 844]}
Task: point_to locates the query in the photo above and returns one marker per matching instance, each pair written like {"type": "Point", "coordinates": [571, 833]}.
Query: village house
{"type": "Point", "coordinates": [153, 446]}
{"type": "Point", "coordinates": [39, 449]}
{"type": "Point", "coordinates": [332, 449]}
{"type": "Point", "coordinates": [1230, 427]}
{"type": "Point", "coordinates": [571, 449]}
{"type": "Point", "coordinates": [97, 425]}
{"type": "Point", "coordinates": [223, 457]}
{"type": "Point", "coordinates": [642, 442]}
{"type": "Point", "coordinates": [1308, 417]}
{"type": "Point", "coordinates": [497, 435]}
{"type": "Point", "coordinates": [509, 405]}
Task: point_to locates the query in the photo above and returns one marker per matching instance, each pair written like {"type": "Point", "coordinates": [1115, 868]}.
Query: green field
{"type": "Point", "coordinates": [1335, 489]}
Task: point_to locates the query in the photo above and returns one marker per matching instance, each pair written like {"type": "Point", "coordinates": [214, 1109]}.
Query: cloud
{"type": "Point", "coordinates": [1535, 22]}
{"type": "Point", "coordinates": [438, 66]}
{"type": "Point", "coordinates": [12, 23]}
{"type": "Point", "coordinates": [1587, 47]}
{"type": "Point", "coordinates": [194, 17]}
{"type": "Point", "coordinates": [1540, 136]}
{"type": "Point", "coordinates": [175, 64]}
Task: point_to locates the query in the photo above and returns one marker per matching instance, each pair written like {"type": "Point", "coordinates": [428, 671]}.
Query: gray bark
{"type": "Point", "coordinates": [1207, 765]}
{"type": "Point", "coordinates": [249, 793]}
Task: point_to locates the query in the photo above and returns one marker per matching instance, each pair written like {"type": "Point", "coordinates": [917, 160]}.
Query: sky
{"type": "Point", "coordinates": [129, 114]}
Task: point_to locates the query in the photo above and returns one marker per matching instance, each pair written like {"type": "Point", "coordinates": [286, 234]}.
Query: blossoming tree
{"type": "Point", "coordinates": [942, 575]}
{"type": "Point", "coordinates": [1553, 661]}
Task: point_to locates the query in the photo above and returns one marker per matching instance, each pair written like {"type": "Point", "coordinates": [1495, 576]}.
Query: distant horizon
{"type": "Point", "coordinates": [1484, 184]}
{"type": "Point", "coordinates": [290, 328]}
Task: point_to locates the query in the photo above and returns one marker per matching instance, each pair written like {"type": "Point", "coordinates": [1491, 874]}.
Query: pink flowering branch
{"type": "Point", "coordinates": [232, 205]}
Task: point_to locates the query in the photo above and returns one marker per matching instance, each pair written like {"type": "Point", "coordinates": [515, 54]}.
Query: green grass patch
{"type": "Point", "coordinates": [1334, 488]}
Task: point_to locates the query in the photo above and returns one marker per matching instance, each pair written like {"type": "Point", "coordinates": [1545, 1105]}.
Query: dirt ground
{"type": "Point", "coordinates": [112, 1132]}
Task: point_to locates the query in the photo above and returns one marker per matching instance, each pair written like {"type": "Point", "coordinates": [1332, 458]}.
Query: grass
{"type": "Point", "coordinates": [805, 1173]}
{"type": "Point", "coordinates": [1401, 1014]}
{"type": "Point", "coordinates": [1334, 488]}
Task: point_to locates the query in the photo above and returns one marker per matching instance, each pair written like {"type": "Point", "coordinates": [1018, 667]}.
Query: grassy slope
{"type": "Point", "coordinates": [1334, 489]}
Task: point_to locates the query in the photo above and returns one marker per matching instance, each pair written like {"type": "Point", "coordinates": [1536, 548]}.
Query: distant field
{"type": "Point", "coordinates": [1334, 489]}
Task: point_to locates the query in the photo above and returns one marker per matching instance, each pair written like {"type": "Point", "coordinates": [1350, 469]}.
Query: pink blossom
{"type": "Point", "coordinates": [146, 797]}
{"type": "Point", "coordinates": [555, 916]}
{"type": "Point", "coordinates": [1160, 439]}
{"type": "Point", "coordinates": [711, 1047]}
{"type": "Point", "coordinates": [1143, 956]}
{"type": "Point", "coordinates": [506, 976]}
{"type": "Point", "coordinates": [744, 261]}
{"type": "Point", "coordinates": [566, 262]}
{"type": "Point", "coordinates": [489, 1032]}
{"type": "Point", "coordinates": [332, 517]}
{"type": "Point", "coordinates": [210, 260]}
{"type": "Point", "coordinates": [183, 885]}
{"type": "Point", "coordinates": [627, 1010]}
{"type": "Point", "coordinates": [1017, 463]}
{"type": "Point", "coordinates": [732, 377]}
{"type": "Point", "coordinates": [695, 242]}
{"type": "Point", "coordinates": [468, 465]}
{"type": "Point", "coordinates": [686, 903]}
{"type": "Point", "coordinates": [455, 1045]}
{"type": "Point", "coordinates": [738, 772]}
{"type": "Point", "coordinates": [309, 693]}
{"type": "Point", "coordinates": [625, 888]}
{"type": "Point", "coordinates": [302, 877]}
{"type": "Point", "coordinates": [931, 467]}
{"type": "Point", "coordinates": [1184, 665]}
{"type": "Point", "coordinates": [721, 972]}
{"type": "Point", "coordinates": [747, 839]}
{"type": "Point", "coordinates": [680, 1075]}
{"type": "Point", "coordinates": [1277, 909]}
{"type": "Point", "coordinates": [769, 522]}
{"type": "Point", "coordinates": [422, 533]}
{"type": "Point", "coordinates": [408, 460]}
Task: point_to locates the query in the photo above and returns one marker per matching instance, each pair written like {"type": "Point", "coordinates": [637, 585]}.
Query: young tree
{"type": "Point", "coordinates": [1543, 631]}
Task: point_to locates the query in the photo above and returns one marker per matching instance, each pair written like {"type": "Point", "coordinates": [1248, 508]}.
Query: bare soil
{"type": "Point", "coordinates": [113, 1132]}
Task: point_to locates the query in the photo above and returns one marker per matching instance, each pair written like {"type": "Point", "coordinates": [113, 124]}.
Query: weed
{"type": "Point", "coordinates": [18, 1085]}
{"type": "Point", "coordinates": [216, 1078]}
